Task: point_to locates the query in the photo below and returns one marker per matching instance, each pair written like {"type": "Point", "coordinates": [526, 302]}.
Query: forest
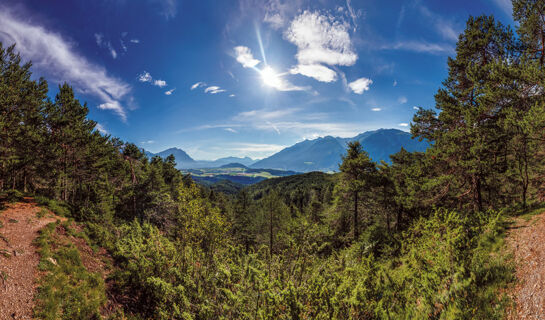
{"type": "Point", "coordinates": [420, 238]}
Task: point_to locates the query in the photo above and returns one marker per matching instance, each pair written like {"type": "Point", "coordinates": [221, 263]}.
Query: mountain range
{"type": "Point", "coordinates": [184, 161]}
{"type": "Point", "coordinates": [324, 154]}
{"type": "Point", "coordinates": [321, 154]}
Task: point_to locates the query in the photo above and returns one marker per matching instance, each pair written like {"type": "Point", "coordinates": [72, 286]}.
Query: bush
{"type": "Point", "coordinates": [58, 207]}
{"type": "Point", "coordinates": [68, 290]}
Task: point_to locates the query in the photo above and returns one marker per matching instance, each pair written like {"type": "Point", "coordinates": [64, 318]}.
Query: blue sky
{"type": "Point", "coordinates": [247, 77]}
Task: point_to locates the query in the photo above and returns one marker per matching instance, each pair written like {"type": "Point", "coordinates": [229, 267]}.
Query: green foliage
{"type": "Point", "coordinates": [58, 207]}
{"type": "Point", "coordinates": [420, 238]}
{"type": "Point", "coordinates": [68, 290]}
{"type": "Point", "coordinates": [11, 196]}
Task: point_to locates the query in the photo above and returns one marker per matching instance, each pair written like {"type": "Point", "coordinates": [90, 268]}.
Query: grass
{"type": "Point", "coordinates": [42, 213]}
{"type": "Point", "coordinates": [58, 207]}
{"type": "Point", "coordinates": [68, 290]}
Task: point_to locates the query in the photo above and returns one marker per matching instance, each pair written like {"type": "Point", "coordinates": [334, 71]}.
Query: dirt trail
{"type": "Point", "coordinates": [527, 240]}
{"type": "Point", "coordinates": [19, 259]}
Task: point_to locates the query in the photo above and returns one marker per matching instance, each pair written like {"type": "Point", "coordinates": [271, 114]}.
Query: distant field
{"type": "Point", "coordinates": [241, 175]}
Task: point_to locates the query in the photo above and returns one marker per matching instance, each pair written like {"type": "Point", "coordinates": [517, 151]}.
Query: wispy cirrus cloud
{"type": "Point", "coordinates": [159, 83]}
{"type": "Point", "coordinates": [146, 77]}
{"type": "Point", "coordinates": [505, 5]}
{"type": "Point", "coordinates": [101, 43]}
{"type": "Point", "coordinates": [167, 8]}
{"type": "Point", "coordinates": [214, 90]}
{"type": "Point", "coordinates": [197, 85]}
{"type": "Point", "coordinates": [58, 58]}
{"type": "Point", "coordinates": [420, 46]}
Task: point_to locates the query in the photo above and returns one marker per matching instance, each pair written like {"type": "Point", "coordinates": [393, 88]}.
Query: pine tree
{"type": "Point", "coordinates": [359, 176]}
{"type": "Point", "coordinates": [530, 14]}
{"type": "Point", "coordinates": [466, 133]}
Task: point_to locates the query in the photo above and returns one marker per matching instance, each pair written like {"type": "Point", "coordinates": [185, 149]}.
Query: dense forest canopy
{"type": "Point", "coordinates": [410, 239]}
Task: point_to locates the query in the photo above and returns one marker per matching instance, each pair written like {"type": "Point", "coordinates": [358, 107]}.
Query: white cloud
{"type": "Point", "coordinates": [395, 83]}
{"type": "Point", "coordinates": [245, 58]}
{"type": "Point", "coordinates": [376, 109]}
{"type": "Point", "coordinates": [402, 100]}
{"type": "Point", "coordinates": [506, 6]}
{"type": "Point", "coordinates": [353, 14]}
{"type": "Point", "coordinates": [123, 45]}
{"type": "Point", "coordinates": [275, 80]}
{"type": "Point", "coordinates": [417, 46]}
{"type": "Point", "coordinates": [255, 147]}
{"type": "Point", "coordinates": [416, 108]}
{"type": "Point", "coordinates": [360, 85]}
{"type": "Point", "coordinates": [263, 114]}
{"type": "Point", "coordinates": [214, 90]}
{"type": "Point", "coordinates": [159, 83]}
{"type": "Point", "coordinates": [403, 124]}
{"type": "Point", "coordinates": [316, 71]}
{"type": "Point", "coordinates": [135, 41]}
{"type": "Point", "coordinates": [112, 51]}
{"type": "Point", "coordinates": [198, 85]}
{"type": "Point", "coordinates": [101, 128]}
{"type": "Point", "coordinates": [278, 12]}
{"type": "Point", "coordinates": [169, 92]}
{"type": "Point", "coordinates": [167, 8]}
{"type": "Point", "coordinates": [275, 20]}
{"type": "Point", "coordinates": [441, 24]}
{"type": "Point", "coordinates": [144, 77]}
{"type": "Point", "coordinates": [231, 96]}
{"type": "Point", "coordinates": [148, 142]}
{"type": "Point", "coordinates": [321, 39]}
{"type": "Point", "coordinates": [116, 107]}
{"type": "Point", "coordinates": [231, 130]}
{"type": "Point", "coordinates": [98, 38]}
{"type": "Point", "coordinates": [52, 55]}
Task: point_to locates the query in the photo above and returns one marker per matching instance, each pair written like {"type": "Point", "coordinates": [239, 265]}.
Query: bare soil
{"type": "Point", "coordinates": [19, 259]}
{"type": "Point", "coordinates": [527, 240]}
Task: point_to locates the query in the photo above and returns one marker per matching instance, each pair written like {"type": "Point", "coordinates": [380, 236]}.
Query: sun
{"type": "Point", "coordinates": [270, 77]}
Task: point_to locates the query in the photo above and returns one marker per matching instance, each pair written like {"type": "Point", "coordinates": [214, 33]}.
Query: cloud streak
{"type": "Point", "coordinates": [56, 57]}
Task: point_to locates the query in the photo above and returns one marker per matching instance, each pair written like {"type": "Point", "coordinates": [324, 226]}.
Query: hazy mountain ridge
{"type": "Point", "coordinates": [321, 154]}
{"type": "Point", "coordinates": [184, 161]}
{"type": "Point", "coordinates": [324, 154]}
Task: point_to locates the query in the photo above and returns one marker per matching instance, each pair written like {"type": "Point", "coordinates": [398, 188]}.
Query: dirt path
{"type": "Point", "coordinates": [19, 259]}
{"type": "Point", "coordinates": [527, 240]}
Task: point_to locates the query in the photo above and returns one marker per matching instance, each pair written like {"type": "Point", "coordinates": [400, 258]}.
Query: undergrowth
{"type": "Point", "coordinates": [67, 290]}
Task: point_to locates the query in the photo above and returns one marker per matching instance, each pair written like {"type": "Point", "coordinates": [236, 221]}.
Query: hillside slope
{"type": "Point", "coordinates": [324, 154]}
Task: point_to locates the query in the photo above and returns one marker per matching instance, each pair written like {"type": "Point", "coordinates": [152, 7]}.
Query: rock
{"type": "Point", "coordinates": [53, 261]}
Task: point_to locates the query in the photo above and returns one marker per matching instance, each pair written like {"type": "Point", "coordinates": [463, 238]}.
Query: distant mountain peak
{"type": "Point", "coordinates": [324, 153]}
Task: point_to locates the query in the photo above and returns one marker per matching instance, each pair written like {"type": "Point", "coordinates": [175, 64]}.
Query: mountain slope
{"type": "Point", "coordinates": [324, 154]}
{"type": "Point", "coordinates": [184, 161]}
{"type": "Point", "coordinates": [181, 156]}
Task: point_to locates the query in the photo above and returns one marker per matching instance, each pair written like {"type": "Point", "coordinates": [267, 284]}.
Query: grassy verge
{"type": "Point", "coordinates": [67, 290]}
